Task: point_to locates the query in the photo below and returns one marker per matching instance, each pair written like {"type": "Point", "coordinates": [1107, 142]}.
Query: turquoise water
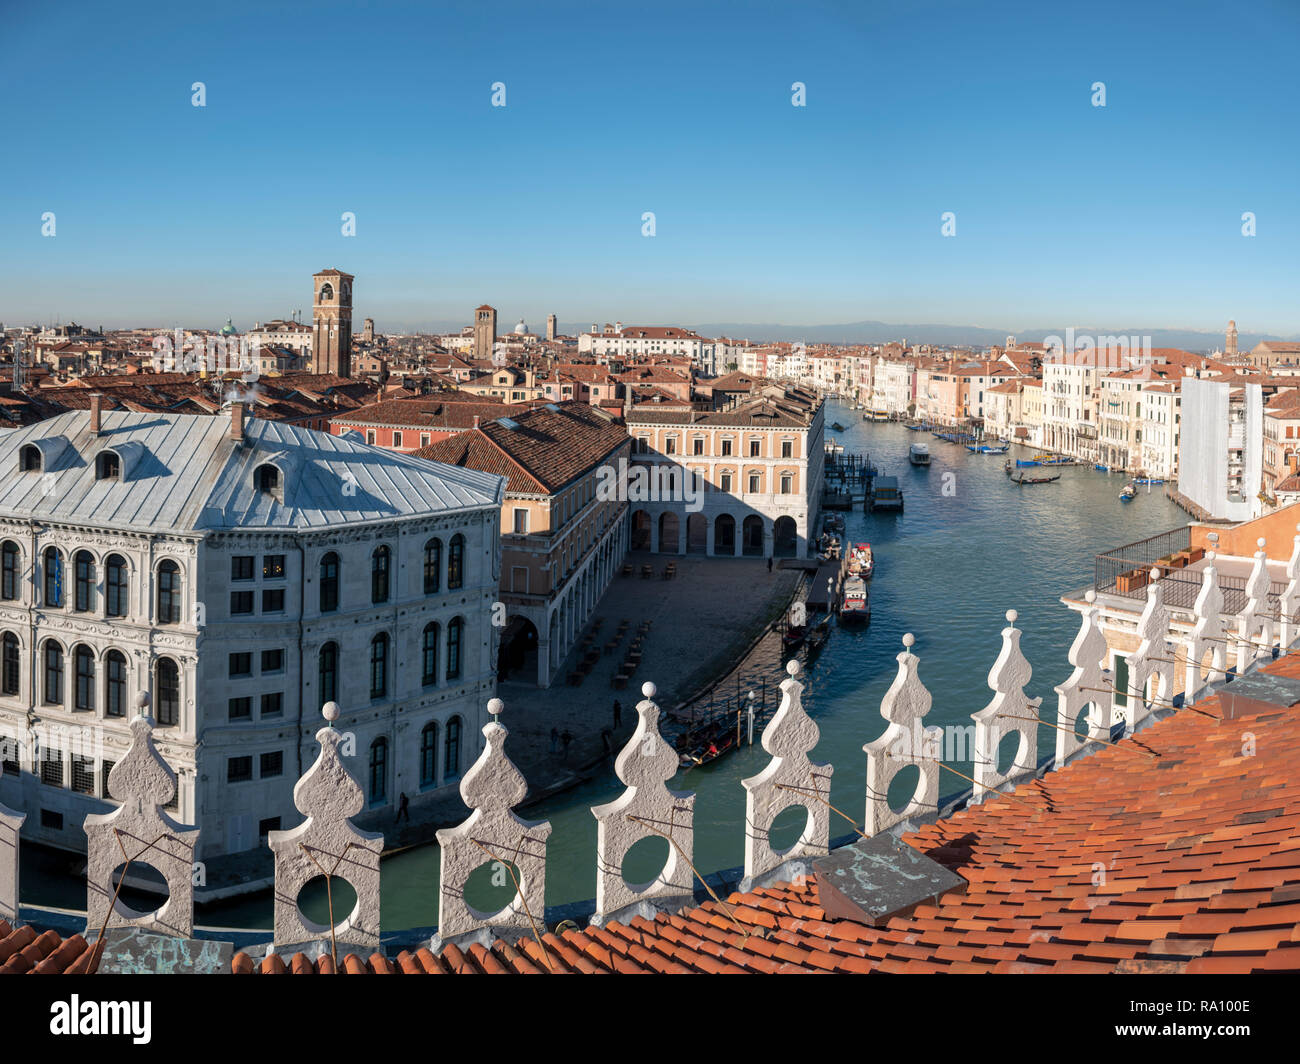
{"type": "Point", "coordinates": [947, 569]}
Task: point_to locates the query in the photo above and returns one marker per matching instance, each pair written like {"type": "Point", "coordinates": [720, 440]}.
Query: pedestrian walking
{"type": "Point", "coordinates": [566, 739]}
{"type": "Point", "coordinates": [555, 740]}
{"type": "Point", "coordinates": [618, 714]}
{"type": "Point", "coordinates": [403, 809]}
{"type": "Point", "coordinates": [769, 565]}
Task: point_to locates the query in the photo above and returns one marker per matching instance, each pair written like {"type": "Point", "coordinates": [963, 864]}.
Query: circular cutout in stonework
{"type": "Point", "coordinates": [902, 787]}
{"type": "Point", "coordinates": [316, 895]}
{"type": "Point", "coordinates": [490, 888]}
{"type": "Point", "coordinates": [644, 861]}
{"type": "Point", "coordinates": [1007, 750]}
{"type": "Point", "coordinates": [144, 892]}
{"type": "Point", "coordinates": [787, 828]}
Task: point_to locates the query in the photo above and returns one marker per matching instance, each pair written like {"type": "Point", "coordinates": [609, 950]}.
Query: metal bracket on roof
{"type": "Point", "coordinates": [880, 877]}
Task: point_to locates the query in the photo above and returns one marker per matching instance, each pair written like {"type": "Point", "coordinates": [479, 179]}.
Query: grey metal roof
{"type": "Point", "coordinates": [187, 474]}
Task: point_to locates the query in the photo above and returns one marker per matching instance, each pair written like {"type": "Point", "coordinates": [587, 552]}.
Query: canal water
{"type": "Point", "coordinates": [947, 569]}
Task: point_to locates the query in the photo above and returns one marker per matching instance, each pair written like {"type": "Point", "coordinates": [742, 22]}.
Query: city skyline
{"type": "Point", "coordinates": [1065, 212]}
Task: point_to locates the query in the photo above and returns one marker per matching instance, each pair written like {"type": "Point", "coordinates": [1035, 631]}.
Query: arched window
{"type": "Point", "coordinates": [115, 588]}
{"type": "Point", "coordinates": [268, 480]}
{"type": "Point", "coordinates": [454, 629]}
{"type": "Point", "coordinates": [328, 669]}
{"type": "Point", "coordinates": [84, 565]}
{"type": "Point", "coordinates": [167, 692]}
{"type": "Point", "coordinates": [456, 562]}
{"type": "Point", "coordinates": [432, 566]}
{"type": "Point", "coordinates": [9, 665]}
{"type": "Point", "coordinates": [30, 459]}
{"type": "Point", "coordinates": [429, 657]}
{"type": "Point", "coordinates": [53, 577]}
{"type": "Point", "coordinates": [108, 466]}
{"type": "Point", "coordinates": [9, 557]}
{"type": "Point", "coordinates": [379, 575]}
{"type": "Point", "coordinates": [329, 583]}
{"type": "Point", "coordinates": [53, 673]}
{"type": "Point", "coordinates": [115, 684]}
{"type": "Point", "coordinates": [379, 666]}
{"type": "Point", "coordinates": [378, 770]}
{"type": "Point", "coordinates": [169, 593]}
{"type": "Point", "coordinates": [429, 754]}
{"type": "Point", "coordinates": [451, 764]}
{"type": "Point", "coordinates": [326, 292]}
{"type": "Point", "coordinates": [84, 664]}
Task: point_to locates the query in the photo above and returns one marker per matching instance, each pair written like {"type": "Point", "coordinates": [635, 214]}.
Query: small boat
{"type": "Point", "coordinates": [861, 561]}
{"type": "Point", "coordinates": [708, 743]}
{"type": "Point", "coordinates": [1148, 480]}
{"type": "Point", "coordinates": [854, 606]}
{"type": "Point", "coordinates": [817, 638]}
{"type": "Point", "coordinates": [832, 522]}
{"type": "Point", "coordinates": [1101, 468]}
{"type": "Point", "coordinates": [1129, 492]}
{"type": "Point", "coordinates": [919, 454]}
{"type": "Point", "coordinates": [793, 636]}
{"type": "Point", "coordinates": [1028, 461]}
{"type": "Point", "coordinates": [837, 426]}
{"type": "Point", "coordinates": [1025, 478]}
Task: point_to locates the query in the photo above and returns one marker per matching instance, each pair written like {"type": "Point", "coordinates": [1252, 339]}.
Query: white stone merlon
{"type": "Point", "coordinates": [1255, 625]}
{"type": "Point", "coordinates": [1011, 712]}
{"type": "Point", "coordinates": [906, 741]}
{"type": "Point", "coordinates": [1088, 687]}
{"type": "Point", "coordinates": [1289, 604]}
{"type": "Point", "coordinates": [647, 809]}
{"type": "Point", "coordinates": [327, 844]}
{"type": "Point", "coordinates": [137, 832]}
{"type": "Point", "coordinates": [492, 835]}
{"type": "Point", "coordinates": [1151, 667]}
{"type": "Point", "coordinates": [11, 822]}
{"type": "Point", "coordinates": [1208, 637]}
{"type": "Point", "coordinates": [790, 779]}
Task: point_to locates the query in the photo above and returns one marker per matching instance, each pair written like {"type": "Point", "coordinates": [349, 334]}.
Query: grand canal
{"type": "Point", "coordinates": [947, 570]}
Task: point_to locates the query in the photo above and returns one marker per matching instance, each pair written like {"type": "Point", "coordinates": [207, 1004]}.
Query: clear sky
{"type": "Point", "coordinates": [1066, 213]}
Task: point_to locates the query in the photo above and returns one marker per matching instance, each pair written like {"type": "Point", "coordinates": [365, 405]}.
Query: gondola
{"type": "Point", "coordinates": [708, 743]}
{"type": "Point", "coordinates": [1023, 479]}
{"type": "Point", "coordinates": [817, 637]}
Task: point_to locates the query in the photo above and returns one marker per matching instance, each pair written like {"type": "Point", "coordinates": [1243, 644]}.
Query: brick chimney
{"type": "Point", "coordinates": [237, 421]}
{"type": "Point", "coordinates": [476, 421]}
{"type": "Point", "coordinates": [96, 409]}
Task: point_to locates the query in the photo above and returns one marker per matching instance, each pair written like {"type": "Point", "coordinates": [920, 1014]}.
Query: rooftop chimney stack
{"type": "Point", "coordinates": [96, 408]}
{"type": "Point", "coordinates": [476, 421]}
{"type": "Point", "coordinates": [237, 422]}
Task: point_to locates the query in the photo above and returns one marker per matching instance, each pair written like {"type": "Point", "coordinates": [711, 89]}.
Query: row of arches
{"type": "Point", "coordinates": [96, 681]}
{"type": "Point", "coordinates": [90, 586]}
{"type": "Point", "coordinates": [749, 538]}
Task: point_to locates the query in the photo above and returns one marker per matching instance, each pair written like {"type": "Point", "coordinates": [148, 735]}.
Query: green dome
{"type": "Point", "coordinates": [228, 329]}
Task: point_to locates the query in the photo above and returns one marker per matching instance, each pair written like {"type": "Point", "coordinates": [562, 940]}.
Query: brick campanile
{"type": "Point", "coordinates": [331, 341]}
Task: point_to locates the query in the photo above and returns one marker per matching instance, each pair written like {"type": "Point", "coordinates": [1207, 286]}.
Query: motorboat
{"type": "Point", "coordinates": [918, 454]}
{"type": "Point", "coordinates": [861, 561]}
{"type": "Point", "coordinates": [854, 606]}
{"type": "Point", "coordinates": [1129, 492]}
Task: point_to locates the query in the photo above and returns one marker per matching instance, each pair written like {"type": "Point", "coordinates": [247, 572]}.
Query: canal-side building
{"type": "Point", "coordinates": [562, 539]}
{"type": "Point", "coordinates": [243, 572]}
{"type": "Point", "coordinates": [1071, 384]}
{"type": "Point", "coordinates": [1221, 451]}
{"type": "Point", "coordinates": [757, 469]}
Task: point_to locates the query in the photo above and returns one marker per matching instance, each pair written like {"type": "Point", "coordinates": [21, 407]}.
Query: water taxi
{"type": "Point", "coordinates": [855, 607]}
{"type": "Point", "coordinates": [918, 454]}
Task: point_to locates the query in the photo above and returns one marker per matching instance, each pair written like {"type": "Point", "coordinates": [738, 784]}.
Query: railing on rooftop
{"type": "Point", "coordinates": [1181, 585]}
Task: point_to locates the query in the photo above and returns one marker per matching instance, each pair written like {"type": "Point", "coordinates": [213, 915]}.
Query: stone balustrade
{"type": "Point", "coordinates": [514, 850]}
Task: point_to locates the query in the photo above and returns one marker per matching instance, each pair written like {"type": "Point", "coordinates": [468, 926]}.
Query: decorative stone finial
{"type": "Point", "coordinates": [142, 701]}
{"type": "Point", "coordinates": [906, 741]}
{"type": "Point", "coordinates": [1085, 689]}
{"type": "Point", "coordinates": [909, 640]}
{"type": "Point", "coordinates": [328, 795]}
{"type": "Point", "coordinates": [1004, 716]}
{"type": "Point", "coordinates": [790, 778]}
{"type": "Point", "coordinates": [1090, 596]}
{"type": "Point", "coordinates": [492, 834]}
{"type": "Point", "coordinates": [649, 690]}
{"type": "Point", "coordinates": [1208, 635]}
{"type": "Point", "coordinates": [1149, 667]}
{"type": "Point", "coordinates": [143, 783]}
{"type": "Point", "coordinates": [1260, 542]}
{"type": "Point", "coordinates": [646, 808]}
{"type": "Point", "coordinates": [1012, 616]}
{"type": "Point", "coordinates": [1255, 626]}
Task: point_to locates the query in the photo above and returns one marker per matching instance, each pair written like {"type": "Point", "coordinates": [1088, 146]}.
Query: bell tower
{"type": "Point", "coordinates": [331, 341]}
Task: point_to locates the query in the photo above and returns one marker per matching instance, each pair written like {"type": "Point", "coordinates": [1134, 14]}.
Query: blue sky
{"type": "Point", "coordinates": [1128, 215]}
